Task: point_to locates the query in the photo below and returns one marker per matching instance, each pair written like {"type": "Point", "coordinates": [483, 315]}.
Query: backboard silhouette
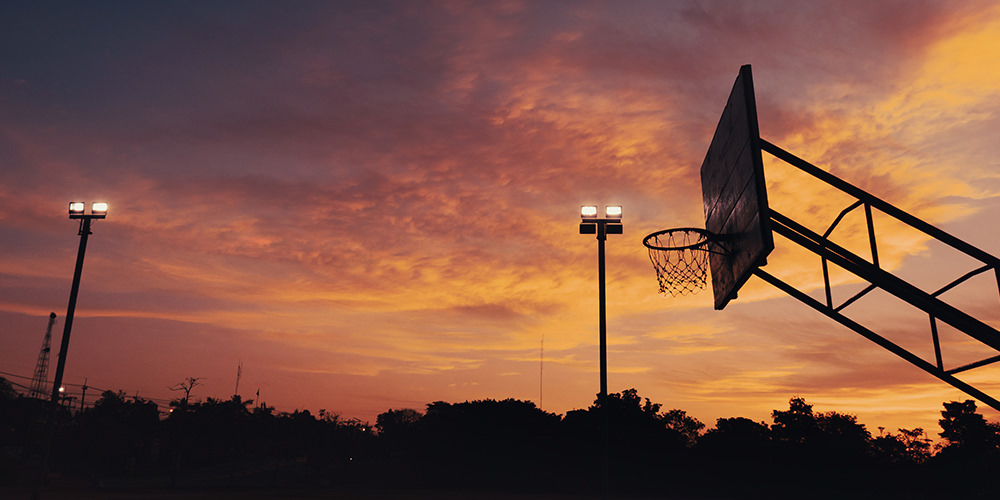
{"type": "Point", "coordinates": [732, 180]}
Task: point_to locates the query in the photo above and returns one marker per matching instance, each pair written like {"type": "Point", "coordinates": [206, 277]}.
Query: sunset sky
{"type": "Point", "coordinates": [374, 205]}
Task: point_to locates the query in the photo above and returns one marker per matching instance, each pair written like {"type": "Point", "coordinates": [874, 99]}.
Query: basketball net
{"type": "Point", "coordinates": [680, 257]}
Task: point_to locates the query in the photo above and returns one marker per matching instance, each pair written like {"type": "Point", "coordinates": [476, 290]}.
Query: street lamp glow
{"type": "Point", "coordinates": [101, 208]}
{"type": "Point", "coordinates": [588, 211]}
{"type": "Point", "coordinates": [76, 208]}
{"type": "Point", "coordinates": [613, 211]}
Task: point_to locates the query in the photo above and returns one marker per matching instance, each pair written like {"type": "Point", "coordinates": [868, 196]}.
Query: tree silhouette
{"type": "Point", "coordinates": [842, 437]}
{"type": "Point", "coordinates": [737, 439]}
{"type": "Point", "coordinates": [739, 452]}
{"type": "Point", "coordinates": [814, 446]}
{"type": "Point", "coordinates": [973, 443]}
{"type": "Point", "coordinates": [215, 428]}
{"type": "Point", "coordinates": [796, 425]}
{"type": "Point", "coordinates": [964, 428]}
{"type": "Point", "coordinates": [910, 446]}
{"type": "Point", "coordinates": [178, 429]}
{"type": "Point", "coordinates": [643, 442]}
{"type": "Point", "coordinates": [394, 423]}
{"type": "Point", "coordinates": [7, 392]}
{"type": "Point", "coordinates": [833, 436]}
{"type": "Point", "coordinates": [917, 445]}
{"type": "Point", "coordinates": [508, 443]}
{"type": "Point", "coordinates": [686, 426]}
{"type": "Point", "coordinates": [186, 386]}
{"type": "Point", "coordinates": [971, 453]}
{"type": "Point", "coordinates": [115, 435]}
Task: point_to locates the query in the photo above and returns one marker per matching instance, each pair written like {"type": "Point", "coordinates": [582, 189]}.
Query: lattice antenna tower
{"type": "Point", "coordinates": [39, 382]}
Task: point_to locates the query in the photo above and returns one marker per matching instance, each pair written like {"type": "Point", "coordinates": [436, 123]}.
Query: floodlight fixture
{"type": "Point", "coordinates": [98, 210]}
{"type": "Point", "coordinates": [613, 211]}
{"type": "Point", "coordinates": [588, 211]}
{"type": "Point", "coordinates": [76, 209]}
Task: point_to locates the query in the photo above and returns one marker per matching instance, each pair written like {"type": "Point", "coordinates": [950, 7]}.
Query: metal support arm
{"type": "Point", "coordinates": [876, 277]}
{"type": "Point", "coordinates": [878, 339]}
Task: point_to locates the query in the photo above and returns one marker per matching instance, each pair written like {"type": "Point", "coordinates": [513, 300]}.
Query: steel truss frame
{"type": "Point", "coordinates": [870, 271]}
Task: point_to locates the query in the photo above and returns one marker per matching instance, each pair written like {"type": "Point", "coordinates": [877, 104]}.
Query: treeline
{"type": "Point", "coordinates": [507, 445]}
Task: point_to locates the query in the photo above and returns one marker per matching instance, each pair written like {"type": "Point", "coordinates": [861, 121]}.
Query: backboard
{"type": "Point", "coordinates": [732, 184]}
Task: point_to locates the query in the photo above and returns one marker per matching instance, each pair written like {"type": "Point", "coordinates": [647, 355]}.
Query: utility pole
{"type": "Point", "coordinates": [83, 398]}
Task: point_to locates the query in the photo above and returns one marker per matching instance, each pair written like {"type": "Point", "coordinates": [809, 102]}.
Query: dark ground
{"type": "Point", "coordinates": [66, 492]}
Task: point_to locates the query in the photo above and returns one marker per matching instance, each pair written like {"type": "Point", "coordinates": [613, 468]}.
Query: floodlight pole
{"type": "Point", "coordinates": [602, 227]}
{"type": "Point", "coordinates": [84, 233]}
{"type": "Point", "coordinates": [602, 236]}
{"type": "Point", "coordinates": [71, 308]}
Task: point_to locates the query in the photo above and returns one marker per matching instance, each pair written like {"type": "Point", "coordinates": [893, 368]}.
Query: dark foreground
{"type": "Point", "coordinates": [89, 493]}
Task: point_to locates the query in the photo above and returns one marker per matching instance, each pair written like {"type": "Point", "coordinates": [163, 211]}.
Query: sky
{"type": "Point", "coordinates": [374, 205]}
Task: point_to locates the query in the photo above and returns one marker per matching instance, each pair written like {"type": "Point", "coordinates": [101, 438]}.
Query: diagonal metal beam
{"type": "Point", "coordinates": [961, 280]}
{"type": "Point", "coordinates": [885, 280]}
{"type": "Point", "coordinates": [977, 364]}
{"type": "Point", "coordinates": [878, 203]}
{"type": "Point", "coordinates": [878, 339]}
{"type": "Point", "coordinates": [857, 296]}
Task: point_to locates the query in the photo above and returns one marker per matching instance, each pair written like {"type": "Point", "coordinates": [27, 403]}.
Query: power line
{"type": "Point", "coordinates": [68, 385]}
{"type": "Point", "coordinates": [15, 375]}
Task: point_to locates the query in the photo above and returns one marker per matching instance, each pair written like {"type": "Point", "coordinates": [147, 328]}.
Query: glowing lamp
{"type": "Point", "coordinates": [613, 211]}
{"type": "Point", "coordinates": [100, 209]}
{"type": "Point", "coordinates": [588, 211]}
{"type": "Point", "coordinates": [76, 208]}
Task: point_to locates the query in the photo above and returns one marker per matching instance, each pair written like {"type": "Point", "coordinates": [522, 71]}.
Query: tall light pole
{"type": "Point", "coordinates": [77, 210]}
{"type": "Point", "coordinates": [611, 223]}
{"type": "Point", "coordinates": [98, 210]}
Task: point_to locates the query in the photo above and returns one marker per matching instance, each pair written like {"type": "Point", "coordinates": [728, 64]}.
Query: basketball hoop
{"type": "Point", "coordinates": [680, 257]}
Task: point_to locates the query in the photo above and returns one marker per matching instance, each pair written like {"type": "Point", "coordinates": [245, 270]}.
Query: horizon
{"type": "Point", "coordinates": [72, 402]}
{"type": "Point", "coordinates": [375, 206]}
